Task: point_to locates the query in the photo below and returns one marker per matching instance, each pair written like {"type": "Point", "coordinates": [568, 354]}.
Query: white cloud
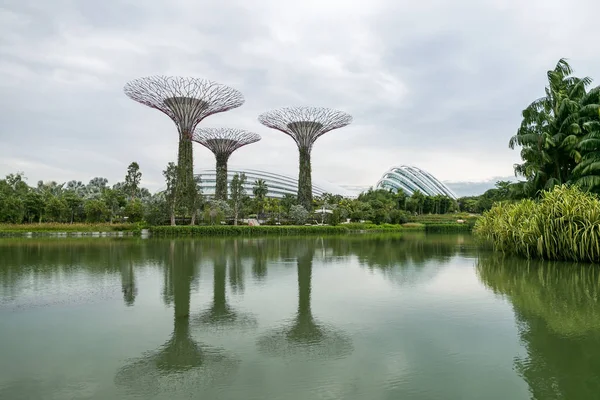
{"type": "Point", "coordinates": [435, 84]}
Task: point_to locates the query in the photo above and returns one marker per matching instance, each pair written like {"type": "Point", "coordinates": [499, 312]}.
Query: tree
{"type": "Point", "coordinates": [288, 201]}
{"type": "Point", "coordinates": [238, 193]}
{"type": "Point", "coordinates": [132, 180]}
{"type": "Point", "coordinates": [134, 211]}
{"type": "Point", "coordinates": [553, 133]}
{"type": "Point", "coordinates": [57, 209]}
{"type": "Point", "coordinates": [170, 174]}
{"type": "Point", "coordinates": [216, 211]}
{"type": "Point", "coordinates": [74, 204]}
{"type": "Point", "coordinates": [298, 214]}
{"type": "Point", "coordinates": [115, 201]}
{"type": "Point", "coordinates": [96, 211]}
{"type": "Point", "coordinates": [34, 206]}
{"type": "Point", "coordinates": [198, 202]}
{"type": "Point", "coordinates": [260, 191]}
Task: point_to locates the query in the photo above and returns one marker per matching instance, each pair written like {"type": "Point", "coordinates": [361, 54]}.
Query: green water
{"type": "Point", "coordinates": [359, 317]}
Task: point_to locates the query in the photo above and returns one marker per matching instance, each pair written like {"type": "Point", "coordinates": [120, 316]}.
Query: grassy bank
{"type": "Point", "coordinates": [563, 225]}
{"type": "Point", "coordinates": [56, 227]}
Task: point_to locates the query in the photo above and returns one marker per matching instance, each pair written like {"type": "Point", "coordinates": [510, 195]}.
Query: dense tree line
{"type": "Point", "coordinates": [96, 201]}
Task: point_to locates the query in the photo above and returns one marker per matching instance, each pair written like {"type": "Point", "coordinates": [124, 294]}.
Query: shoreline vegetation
{"type": "Point", "coordinates": [563, 225]}
{"type": "Point", "coordinates": [447, 224]}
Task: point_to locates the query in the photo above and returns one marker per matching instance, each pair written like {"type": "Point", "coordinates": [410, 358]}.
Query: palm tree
{"type": "Point", "coordinates": [552, 129]}
{"type": "Point", "coordinates": [260, 191]}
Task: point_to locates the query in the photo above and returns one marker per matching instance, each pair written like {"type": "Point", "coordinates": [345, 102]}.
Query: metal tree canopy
{"type": "Point", "coordinates": [187, 101]}
{"type": "Point", "coordinates": [305, 125]}
{"type": "Point", "coordinates": [223, 142]}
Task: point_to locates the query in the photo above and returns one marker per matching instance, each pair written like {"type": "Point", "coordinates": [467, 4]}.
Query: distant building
{"type": "Point", "coordinates": [277, 183]}
{"type": "Point", "coordinates": [411, 179]}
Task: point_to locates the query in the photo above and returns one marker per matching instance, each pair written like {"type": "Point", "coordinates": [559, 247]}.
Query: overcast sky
{"type": "Point", "coordinates": [436, 84]}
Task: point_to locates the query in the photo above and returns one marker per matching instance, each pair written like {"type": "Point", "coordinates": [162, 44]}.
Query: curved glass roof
{"type": "Point", "coordinates": [278, 184]}
{"type": "Point", "coordinates": [411, 179]}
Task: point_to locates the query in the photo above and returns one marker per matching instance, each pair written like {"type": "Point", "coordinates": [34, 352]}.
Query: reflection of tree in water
{"type": "Point", "coordinates": [128, 286]}
{"type": "Point", "coordinates": [220, 313]}
{"type": "Point", "coordinates": [305, 334]}
{"type": "Point", "coordinates": [259, 259]}
{"type": "Point", "coordinates": [47, 260]}
{"type": "Point", "coordinates": [236, 268]}
{"type": "Point", "coordinates": [181, 363]}
{"type": "Point", "coordinates": [557, 307]}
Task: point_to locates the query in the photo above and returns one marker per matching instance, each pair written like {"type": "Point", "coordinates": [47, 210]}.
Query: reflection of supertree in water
{"type": "Point", "coordinates": [181, 363]}
{"type": "Point", "coordinates": [557, 307]}
{"type": "Point", "coordinates": [187, 101]}
{"type": "Point", "coordinates": [128, 286]}
{"type": "Point", "coordinates": [305, 125]}
{"type": "Point", "coordinates": [223, 142]}
{"type": "Point", "coordinates": [305, 334]}
{"type": "Point", "coordinates": [221, 314]}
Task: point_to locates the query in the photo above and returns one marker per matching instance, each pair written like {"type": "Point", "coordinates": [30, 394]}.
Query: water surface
{"type": "Point", "coordinates": [356, 317]}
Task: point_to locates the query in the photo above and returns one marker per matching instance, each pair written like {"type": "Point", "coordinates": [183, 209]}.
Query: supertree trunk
{"type": "Point", "coordinates": [187, 101]}
{"type": "Point", "coordinates": [223, 142]}
{"type": "Point", "coordinates": [305, 180]}
{"type": "Point", "coordinates": [221, 184]}
{"type": "Point", "coordinates": [305, 125]}
{"type": "Point", "coordinates": [186, 186]}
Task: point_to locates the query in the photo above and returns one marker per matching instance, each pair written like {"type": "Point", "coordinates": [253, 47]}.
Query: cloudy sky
{"type": "Point", "coordinates": [437, 84]}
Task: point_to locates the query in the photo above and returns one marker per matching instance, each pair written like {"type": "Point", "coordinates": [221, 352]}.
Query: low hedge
{"type": "Point", "coordinates": [447, 228]}
{"type": "Point", "coordinates": [244, 230]}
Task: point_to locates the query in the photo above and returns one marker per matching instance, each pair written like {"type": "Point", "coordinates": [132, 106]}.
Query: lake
{"type": "Point", "coordinates": [349, 317]}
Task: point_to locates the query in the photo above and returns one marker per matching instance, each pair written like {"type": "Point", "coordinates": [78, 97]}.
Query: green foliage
{"type": "Point", "coordinates": [57, 209]}
{"type": "Point", "coordinates": [170, 174]}
{"type": "Point", "coordinates": [260, 191]}
{"type": "Point", "coordinates": [65, 227]}
{"type": "Point", "coordinates": [134, 211]}
{"type": "Point", "coordinates": [298, 214]}
{"type": "Point", "coordinates": [221, 177]}
{"type": "Point", "coordinates": [96, 211]}
{"type": "Point", "coordinates": [447, 228]}
{"type": "Point", "coordinates": [305, 180]}
{"type": "Point", "coordinates": [563, 225]}
{"type": "Point", "coordinates": [238, 195]}
{"type": "Point", "coordinates": [504, 191]}
{"type": "Point", "coordinates": [216, 211]}
{"type": "Point", "coordinates": [240, 230]}
{"type": "Point", "coordinates": [185, 185]}
{"type": "Point", "coordinates": [132, 180]}
{"type": "Point", "coordinates": [559, 134]}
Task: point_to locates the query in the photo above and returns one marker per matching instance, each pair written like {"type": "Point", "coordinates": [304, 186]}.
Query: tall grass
{"type": "Point", "coordinates": [563, 225]}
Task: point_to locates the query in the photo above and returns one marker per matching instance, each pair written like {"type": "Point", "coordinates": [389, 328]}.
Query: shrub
{"type": "Point", "coordinates": [447, 228]}
{"type": "Point", "coordinates": [244, 230]}
{"type": "Point", "coordinates": [563, 225]}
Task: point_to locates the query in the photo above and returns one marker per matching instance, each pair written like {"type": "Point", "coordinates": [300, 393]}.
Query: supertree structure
{"type": "Point", "coordinates": [223, 142]}
{"type": "Point", "coordinates": [305, 125]}
{"type": "Point", "coordinates": [187, 101]}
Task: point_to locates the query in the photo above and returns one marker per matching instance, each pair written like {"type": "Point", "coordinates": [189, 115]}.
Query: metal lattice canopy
{"type": "Point", "coordinates": [224, 141]}
{"type": "Point", "coordinates": [305, 124]}
{"type": "Point", "coordinates": [187, 101]}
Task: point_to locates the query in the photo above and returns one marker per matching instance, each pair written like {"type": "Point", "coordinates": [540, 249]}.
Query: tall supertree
{"type": "Point", "coordinates": [223, 142]}
{"type": "Point", "coordinates": [305, 125]}
{"type": "Point", "coordinates": [187, 101]}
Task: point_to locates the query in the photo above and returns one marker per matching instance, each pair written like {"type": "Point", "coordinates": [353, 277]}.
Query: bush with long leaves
{"type": "Point", "coordinates": [563, 225]}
